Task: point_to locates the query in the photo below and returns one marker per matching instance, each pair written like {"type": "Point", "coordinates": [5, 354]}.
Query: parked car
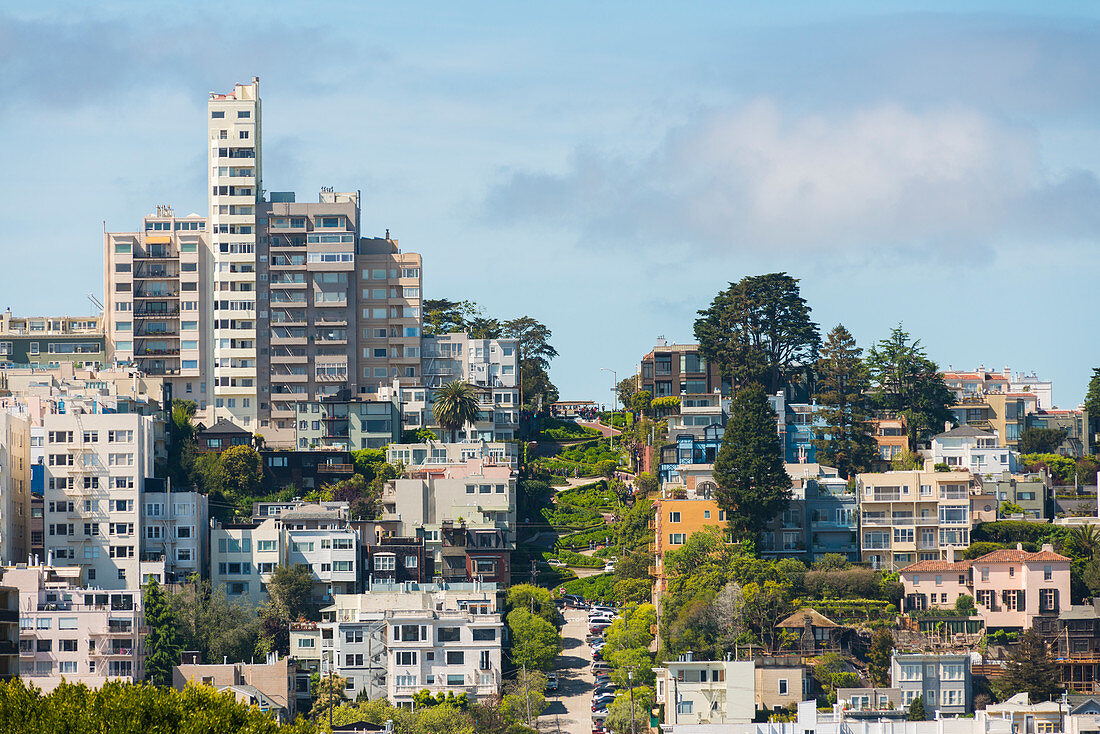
{"type": "Point", "coordinates": [574, 600]}
{"type": "Point", "coordinates": [597, 655]}
{"type": "Point", "coordinates": [551, 681]}
{"type": "Point", "coordinates": [598, 627]}
{"type": "Point", "coordinates": [601, 667]}
{"type": "Point", "coordinates": [602, 679]}
{"type": "Point", "coordinates": [599, 714]}
{"type": "Point", "coordinates": [604, 608]}
{"type": "Point", "coordinates": [609, 568]}
{"type": "Point", "coordinates": [556, 563]}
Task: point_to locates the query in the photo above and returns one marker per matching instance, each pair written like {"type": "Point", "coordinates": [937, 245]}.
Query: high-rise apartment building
{"type": "Point", "coordinates": [156, 297]}
{"type": "Point", "coordinates": [266, 302]}
{"type": "Point", "coordinates": [236, 179]}
{"type": "Point", "coordinates": [389, 314]}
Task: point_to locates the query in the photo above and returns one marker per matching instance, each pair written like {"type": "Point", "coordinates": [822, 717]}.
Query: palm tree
{"type": "Point", "coordinates": [455, 406]}
{"type": "Point", "coordinates": [1085, 540]}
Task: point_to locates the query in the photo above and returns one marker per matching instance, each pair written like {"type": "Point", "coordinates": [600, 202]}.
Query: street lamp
{"type": "Point", "coordinates": [614, 400]}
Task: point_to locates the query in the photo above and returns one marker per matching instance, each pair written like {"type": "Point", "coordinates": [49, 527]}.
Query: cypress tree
{"type": "Point", "coordinates": [845, 441]}
{"type": "Point", "coordinates": [753, 487]}
{"type": "Point", "coordinates": [1030, 669]}
{"type": "Point", "coordinates": [161, 644]}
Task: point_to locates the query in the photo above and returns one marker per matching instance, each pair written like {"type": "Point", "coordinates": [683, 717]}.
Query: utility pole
{"type": "Point", "coordinates": [526, 691]}
{"type": "Point", "coordinates": [630, 682]}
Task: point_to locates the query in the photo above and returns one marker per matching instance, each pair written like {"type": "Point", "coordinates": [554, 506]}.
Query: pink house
{"type": "Point", "coordinates": [934, 584]}
{"type": "Point", "coordinates": [1013, 587]}
{"type": "Point", "coordinates": [1010, 587]}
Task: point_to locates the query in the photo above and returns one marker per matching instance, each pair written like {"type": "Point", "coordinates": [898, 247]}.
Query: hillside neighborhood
{"type": "Point", "coordinates": [275, 482]}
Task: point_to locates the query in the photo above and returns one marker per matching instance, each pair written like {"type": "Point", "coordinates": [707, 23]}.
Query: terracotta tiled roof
{"type": "Point", "coordinates": [1013, 555]}
{"type": "Point", "coordinates": [931, 566]}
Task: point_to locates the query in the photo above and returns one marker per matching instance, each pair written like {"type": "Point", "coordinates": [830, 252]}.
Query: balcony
{"type": "Point", "coordinates": [156, 313]}
{"type": "Point", "coordinates": [152, 252]}
{"type": "Point", "coordinates": [335, 468]}
{"type": "Point", "coordinates": [144, 293]}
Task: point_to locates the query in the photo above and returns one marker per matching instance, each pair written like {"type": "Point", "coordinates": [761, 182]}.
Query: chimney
{"type": "Point", "coordinates": [981, 371]}
{"type": "Point", "coordinates": [1007, 373]}
{"type": "Point", "coordinates": [1019, 546]}
{"type": "Point", "coordinates": [1048, 548]}
{"type": "Point", "coordinates": [946, 426]}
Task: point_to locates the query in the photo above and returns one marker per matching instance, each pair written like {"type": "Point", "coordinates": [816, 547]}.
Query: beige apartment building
{"type": "Point", "coordinates": [910, 516]}
{"type": "Point", "coordinates": [76, 633]}
{"type": "Point", "coordinates": [156, 298]}
{"type": "Point", "coordinates": [15, 487]}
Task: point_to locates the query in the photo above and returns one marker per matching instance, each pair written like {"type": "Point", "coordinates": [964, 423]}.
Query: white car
{"type": "Point", "coordinates": [556, 563]}
{"type": "Point", "coordinates": [609, 568]}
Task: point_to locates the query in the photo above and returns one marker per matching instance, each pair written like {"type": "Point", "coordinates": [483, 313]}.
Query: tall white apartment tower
{"type": "Point", "coordinates": [235, 192]}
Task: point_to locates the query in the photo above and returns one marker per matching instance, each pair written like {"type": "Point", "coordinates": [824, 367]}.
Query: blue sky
{"type": "Point", "coordinates": [604, 167]}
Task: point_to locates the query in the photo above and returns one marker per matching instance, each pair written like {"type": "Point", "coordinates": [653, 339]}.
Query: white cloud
{"type": "Point", "coordinates": [879, 177]}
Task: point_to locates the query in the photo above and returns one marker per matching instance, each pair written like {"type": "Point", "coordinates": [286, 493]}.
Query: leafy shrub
{"type": "Point", "coordinates": [842, 584]}
{"type": "Point", "coordinates": [601, 587]}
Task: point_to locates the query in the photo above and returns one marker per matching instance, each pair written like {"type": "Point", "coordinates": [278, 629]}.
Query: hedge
{"type": "Point", "coordinates": [574, 559]}
{"type": "Point", "coordinates": [848, 609]}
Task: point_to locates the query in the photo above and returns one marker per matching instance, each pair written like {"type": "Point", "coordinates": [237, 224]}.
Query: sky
{"type": "Point", "coordinates": [606, 168]}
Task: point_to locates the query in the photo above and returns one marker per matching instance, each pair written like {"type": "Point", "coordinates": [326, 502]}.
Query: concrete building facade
{"type": "Point", "coordinates": [155, 301]}
{"type": "Point", "coordinates": [96, 468]}
{"type": "Point", "coordinates": [51, 340]}
{"type": "Point", "coordinates": [909, 516]}
{"type": "Point", "coordinates": [82, 634]}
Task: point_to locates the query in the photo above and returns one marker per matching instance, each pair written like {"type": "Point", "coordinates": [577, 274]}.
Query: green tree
{"type": "Point", "coordinates": [209, 622]}
{"type": "Point", "coordinates": [525, 695]}
{"type": "Point", "coordinates": [626, 388]}
{"type": "Point", "coordinates": [753, 487]}
{"type": "Point", "coordinates": [759, 330]}
{"type": "Point", "coordinates": [131, 708]}
{"type": "Point", "coordinates": [455, 405]}
{"type": "Point", "coordinates": [533, 355]}
{"type": "Point", "coordinates": [442, 316]}
{"type": "Point", "coordinates": [242, 472]}
{"type": "Point", "coordinates": [1041, 440]}
{"type": "Point", "coordinates": [1030, 669]}
{"type": "Point", "coordinates": [607, 468]}
{"type": "Point", "coordinates": [1083, 541]}
{"type": "Point", "coordinates": [878, 666]}
{"type": "Point", "coordinates": [1010, 508]}
{"type": "Point", "coordinates": [483, 327]}
{"type": "Point", "coordinates": [537, 600]}
{"type": "Point", "coordinates": [846, 439]}
{"type": "Point", "coordinates": [1092, 395]}
{"type": "Point", "coordinates": [640, 402]}
{"type": "Point", "coordinates": [289, 599]}
{"type": "Point", "coordinates": [161, 644]}
{"type": "Point", "coordinates": [330, 693]}
{"type": "Point", "coordinates": [535, 642]}
{"type": "Point", "coordinates": [916, 709]}
{"type": "Point", "coordinates": [181, 446]}
{"type": "Point", "coordinates": [618, 713]}
{"type": "Point", "coordinates": [906, 381]}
